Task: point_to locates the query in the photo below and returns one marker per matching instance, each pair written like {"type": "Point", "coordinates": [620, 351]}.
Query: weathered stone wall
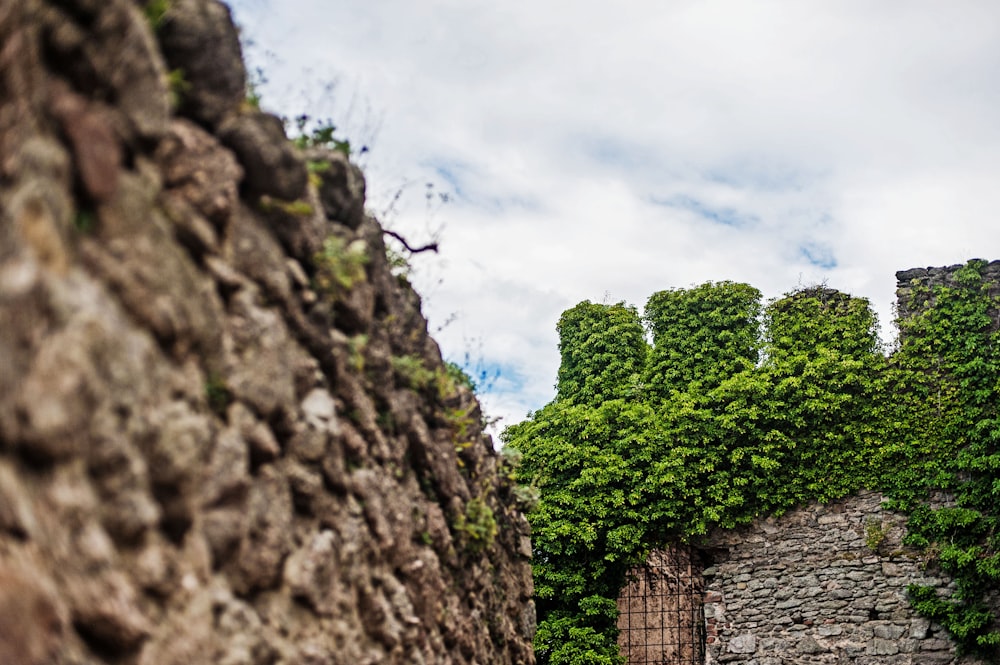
{"type": "Point", "coordinates": [908, 280]}
{"type": "Point", "coordinates": [225, 434]}
{"type": "Point", "coordinates": [820, 584]}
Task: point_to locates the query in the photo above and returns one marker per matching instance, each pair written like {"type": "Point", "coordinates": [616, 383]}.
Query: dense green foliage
{"type": "Point", "coordinates": [701, 336]}
{"type": "Point", "coordinates": [603, 352]}
{"type": "Point", "coordinates": [737, 411]}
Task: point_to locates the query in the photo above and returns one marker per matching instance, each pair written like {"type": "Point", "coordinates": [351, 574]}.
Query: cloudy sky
{"type": "Point", "coordinates": [604, 151]}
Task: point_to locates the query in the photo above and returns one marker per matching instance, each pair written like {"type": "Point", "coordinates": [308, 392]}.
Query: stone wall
{"type": "Point", "coordinates": [225, 434]}
{"type": "Point", "coordinates": [822, 584]}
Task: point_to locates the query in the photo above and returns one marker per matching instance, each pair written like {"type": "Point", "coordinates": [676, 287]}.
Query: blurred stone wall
{"type": "Point", "coordinates": [225, 434]}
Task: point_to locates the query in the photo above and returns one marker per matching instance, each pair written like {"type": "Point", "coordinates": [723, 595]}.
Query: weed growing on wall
{"type": "Point", "coordinates": [738, 411]}
{"type": "Point", "coordinates": [477, 527]}
{"type": "Point", "coordinates": [340, 265]}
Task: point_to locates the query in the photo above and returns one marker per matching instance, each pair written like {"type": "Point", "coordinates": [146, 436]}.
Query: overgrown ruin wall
{"type": "Point", "coordinates": [820, 584]}
{"type": "Point", "coordinates": [908, 280]}
{"type": "Point", "coordinates": [225, 434]}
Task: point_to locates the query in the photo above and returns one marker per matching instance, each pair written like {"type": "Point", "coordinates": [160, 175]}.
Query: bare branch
{"type": "Point", "coordinates": [430, 247]}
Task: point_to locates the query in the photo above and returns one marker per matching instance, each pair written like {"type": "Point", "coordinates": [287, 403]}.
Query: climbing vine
{"type": "Point", "coordinates": [948, 367]}
{"type": "Point", "coordinates": [738, 410]}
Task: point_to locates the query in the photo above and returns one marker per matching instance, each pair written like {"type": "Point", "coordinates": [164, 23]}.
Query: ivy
{"type": "Point", "coordinates": [948, 372]}
{"type": "Point", "coordinates": [701, 335]}
{"type": "Point", "coordinates": [603, 351]}
{"type": "Point", "coordinates": [738, 410]}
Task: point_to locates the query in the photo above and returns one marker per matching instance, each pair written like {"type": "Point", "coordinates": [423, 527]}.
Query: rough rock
{"type": "Point", "coordinates": [341, 187]}
{"type": "Point", "coordinates": [85, 40]}
{"type": "Point", "coordinates": [272, 166]}
{"type": "Point", "coordinates": [199, 171]}
{"type": "Point", "coordinates": [201, 44]}
{"type": "Point", "coordinates": [911, 286]}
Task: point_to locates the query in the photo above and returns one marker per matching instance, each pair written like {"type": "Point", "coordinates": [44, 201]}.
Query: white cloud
{"type": "Point", "coordinates": [611, 150]}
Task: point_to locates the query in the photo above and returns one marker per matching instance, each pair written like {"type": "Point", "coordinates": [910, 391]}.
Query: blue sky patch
{"type": "Point", "coordinates": [818, 255]}
{"type": "Point", "coordinates": [492, 378]}
{"type": "Point", "coordinates": [763, 178]}
{"type": "Point", "coordinates": [617, 153]}
{"type": "Point", "coordinates": [449, 173]}
{"type": "Point", "coordinates": [456, 182]}
{"type": "Point", "coordinates": [725, 215]}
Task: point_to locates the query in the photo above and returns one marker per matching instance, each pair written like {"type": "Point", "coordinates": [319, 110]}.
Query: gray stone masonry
{"type": "Point", "coordinates": [822, 584]}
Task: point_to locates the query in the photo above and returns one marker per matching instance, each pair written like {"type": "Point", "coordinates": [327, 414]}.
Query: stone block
{"type": "Point", "coordinates": [745, 643]}
{"type": "Point", "coordinates": [882, 647]}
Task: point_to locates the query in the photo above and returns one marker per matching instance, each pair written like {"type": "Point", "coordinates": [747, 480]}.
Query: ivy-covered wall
{"type": "Point", "coordinates": [739, 410]}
